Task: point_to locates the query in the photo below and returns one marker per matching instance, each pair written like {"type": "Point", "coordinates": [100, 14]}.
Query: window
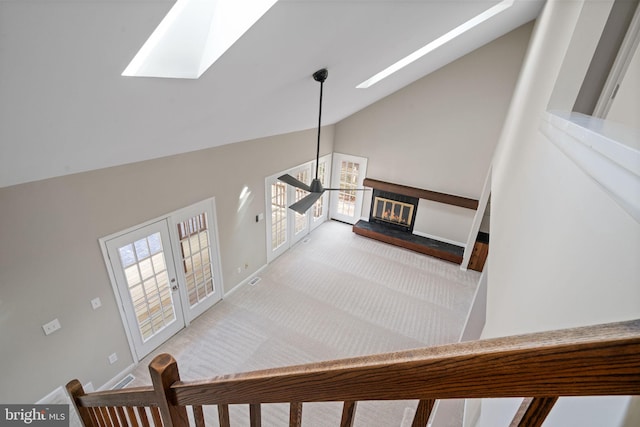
{"type": "Point", "coordinates": [348, 175]}
{"type": "Point", "coordinates": [278, 214]}
{"type": "Point", "coordinates": [196, 260]}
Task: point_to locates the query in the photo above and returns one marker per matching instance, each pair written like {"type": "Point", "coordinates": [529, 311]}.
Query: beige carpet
{"type": "Point", "coordinates": [333, 295]}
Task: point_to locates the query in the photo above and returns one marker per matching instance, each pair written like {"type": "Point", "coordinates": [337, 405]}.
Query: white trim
{"type": "Point", "coordinates": [244, 282]}
{"type": "Point", "coordinates": [597, 147]}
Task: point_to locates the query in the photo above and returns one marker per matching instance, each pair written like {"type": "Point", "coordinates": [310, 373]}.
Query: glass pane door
{"type": "Point", "coordinates": [300, 224]}
{"type": "Point", "coordinates": [319, 211]}
{"type": "Point", "coordinates": [348, 175]}
{"type": "Point", "coordinates": [142, 264]}
{"type": "Point", "coordinates": [197, 257]}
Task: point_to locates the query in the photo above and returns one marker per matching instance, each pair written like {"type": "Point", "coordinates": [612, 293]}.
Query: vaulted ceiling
{"type": "Point", "coordinates": [65, 108]}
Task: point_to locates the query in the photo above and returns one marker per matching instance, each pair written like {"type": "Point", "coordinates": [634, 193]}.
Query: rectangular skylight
{"type": "Point", "coordinates": [193, 35]}
{"type": "Point", "coordinates": [433, 45]}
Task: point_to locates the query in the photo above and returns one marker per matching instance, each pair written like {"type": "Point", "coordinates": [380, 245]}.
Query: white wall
{"type": "Point", "coordinates": [563, 253]}
{"type": "Point", "coordinates": [51, 265]}
{"type": "Point", "coordinates": [439, 133]}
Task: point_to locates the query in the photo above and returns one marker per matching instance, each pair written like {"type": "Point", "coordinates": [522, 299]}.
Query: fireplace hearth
{"type": "Point", "coordinates": [393, 213]}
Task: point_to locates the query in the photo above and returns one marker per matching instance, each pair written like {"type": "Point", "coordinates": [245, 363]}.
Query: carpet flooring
{"type": "Point", "coordinates": [333, 295]}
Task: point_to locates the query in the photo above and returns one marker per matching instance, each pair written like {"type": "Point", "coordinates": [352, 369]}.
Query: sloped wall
{"type": "Point", "coordinates": [440, 132]}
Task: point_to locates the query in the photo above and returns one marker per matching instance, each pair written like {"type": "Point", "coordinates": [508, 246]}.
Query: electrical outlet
{"type": "Point", "coordinates": [239, 269]}
{"type": "Point", "coordinates": [51, 327]}
{"type": "Point", "coordinates": [96, 303]}
{"type": "Point", "coordinates": [113, 358]}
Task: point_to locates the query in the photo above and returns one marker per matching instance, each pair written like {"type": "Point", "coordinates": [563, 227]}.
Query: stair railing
{"type": "Point", "coordinates": [587, 361]}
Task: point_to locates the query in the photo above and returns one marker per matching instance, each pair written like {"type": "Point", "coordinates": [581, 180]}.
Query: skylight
{"type": "Point", "coordinates": [193, 35]}
{"type": "Point", "coordinates": [433, 45]}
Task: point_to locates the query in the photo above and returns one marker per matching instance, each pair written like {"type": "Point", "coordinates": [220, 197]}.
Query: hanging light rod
{"type": "Point", "coordinates": [315, 189]}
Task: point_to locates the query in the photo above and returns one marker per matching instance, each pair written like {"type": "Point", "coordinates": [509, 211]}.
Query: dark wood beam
{"type": "Point", "coordinates": [420, 193]}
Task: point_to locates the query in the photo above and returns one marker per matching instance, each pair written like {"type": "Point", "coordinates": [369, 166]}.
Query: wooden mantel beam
{"type": "Point", "coordinates": [448, 199]}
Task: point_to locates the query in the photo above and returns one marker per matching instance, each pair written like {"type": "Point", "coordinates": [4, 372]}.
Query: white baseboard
{"type": "Point", "coordinates": [439, 239]}
{"type": "Point", "coordinates": [59, 395]}
{"type": "Point", "coordinates": [244, 282]}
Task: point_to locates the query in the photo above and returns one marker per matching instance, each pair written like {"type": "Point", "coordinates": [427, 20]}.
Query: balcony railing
{"type": "Point", "coordinates": [587, 361]}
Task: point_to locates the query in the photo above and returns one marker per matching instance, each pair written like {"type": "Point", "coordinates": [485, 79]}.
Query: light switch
{"type": "Point", "coordinates": [51, 327]}
{"type": "Point", "coordinates": [96, 303]}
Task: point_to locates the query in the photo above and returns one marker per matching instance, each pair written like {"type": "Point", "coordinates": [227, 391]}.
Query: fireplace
{"type": "Point", "coordinates": [393, 210]}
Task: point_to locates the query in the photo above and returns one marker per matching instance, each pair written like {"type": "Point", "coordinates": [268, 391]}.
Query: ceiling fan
{"type": "Point", "coordinates": [315, 189]}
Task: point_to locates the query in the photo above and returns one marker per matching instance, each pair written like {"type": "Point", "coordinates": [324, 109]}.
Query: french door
{"type": "Point", "coordinates": [197, 257]}
{"type": "Point", "coordinates": [320, 210]}
{"type": "Point", "coordinates": [348, 175]}
{"type": "Point", "coordinates": [145, 276]}
{"type": "Point", "coordinates": [299, 223]}
{"type": "Point", "coordinates": [284, 226]}
{"type": "Point", "coordinates": [165, 274]}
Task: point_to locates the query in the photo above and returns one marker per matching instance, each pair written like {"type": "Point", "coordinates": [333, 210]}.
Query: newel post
{"type": "Point", "coordinates": [164, 372]}
{"type": "Point", "coordinates": [75, 390]}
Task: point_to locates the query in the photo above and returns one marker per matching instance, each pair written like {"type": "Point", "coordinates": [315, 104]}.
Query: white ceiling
{"type": "Point", "coordinates": [65, 108]}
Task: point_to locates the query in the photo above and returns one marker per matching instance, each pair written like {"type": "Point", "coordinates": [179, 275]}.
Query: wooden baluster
{"type": "Point", "coordinates": [104, 413]}
{"type": "Point", "coordinates": [255, 415]}
{"type": "Point", "coordinates": [164, 372]}
{"type": "Point", "coordinates": [114, 417]}
{"type": "Point", "coordinates": [348, 414]}
{"type": "Point", "coordinates": [156, 416]}
{"type": "Point", "coordinates": [198, 415]}
{"type": "Point", "coordinates": [223, 415]}
{"type": "Point", "coordinates": [423, 411]}
{"type": "Point", "coordinates": [100, 420]}
{"type": "Point", "coordinates": [94, 413]}
{"type": "Point", "coordinates": [133, 421]}
{"type": "Point", "coordinates": [533, 411]}
{"type": "Point", "coordinates": [295, 414]}
{"type": "Point", "coordinates": [122, 417]}
{"type": "Point", "coordinates": [144, 419]}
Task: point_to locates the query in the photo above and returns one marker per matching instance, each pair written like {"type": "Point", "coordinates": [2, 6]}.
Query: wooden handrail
{"type": "Point", "coordinates": [138, 396]}
{"type": "Point", "coordinates": [586, 361]}
{"type": "Point", "coordinates": [597, 360]}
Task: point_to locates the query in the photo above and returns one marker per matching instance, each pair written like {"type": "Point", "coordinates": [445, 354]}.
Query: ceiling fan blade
{"type": "Point", "coordinates": [293, 181]}
{"type": "Point", "coordinates": [303, 205]}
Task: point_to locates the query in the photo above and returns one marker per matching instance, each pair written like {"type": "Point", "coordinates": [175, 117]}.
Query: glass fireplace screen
{"type": "Point", "coordinates": [393, 211]}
